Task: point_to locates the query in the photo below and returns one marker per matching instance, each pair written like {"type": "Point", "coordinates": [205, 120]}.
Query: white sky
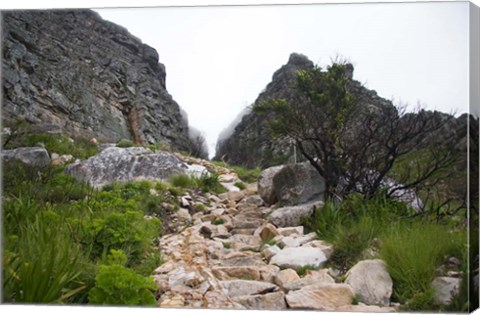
{"type": "Point", "coordinates": [218, 59]}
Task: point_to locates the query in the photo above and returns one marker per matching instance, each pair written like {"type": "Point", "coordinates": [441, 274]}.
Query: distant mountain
{"type": "Point", "coordinates": [251, 145]}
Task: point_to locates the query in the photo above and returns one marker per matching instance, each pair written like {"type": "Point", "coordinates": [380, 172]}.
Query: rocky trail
{"type": "Point", "coordinates": [231, 256]}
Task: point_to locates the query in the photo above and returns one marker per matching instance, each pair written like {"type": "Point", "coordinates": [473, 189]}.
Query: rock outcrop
{"type": "Point", "coordinates": [34, 156]}
{"type": "Point", "coordinates": [251, 144]}
{"type": "Point", "coordinates": [70, 71]}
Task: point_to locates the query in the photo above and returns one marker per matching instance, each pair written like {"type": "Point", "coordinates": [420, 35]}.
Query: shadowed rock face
{"type": "Point", "coordinates": [73, 72]}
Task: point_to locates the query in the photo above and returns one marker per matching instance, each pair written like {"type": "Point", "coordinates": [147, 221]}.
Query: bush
{"type": "Point", "coordinates": [240, 185]}
{"type": "Point", "coordinates": [182, 180]}
{"type": "Point", "coordinates": [42, 264]}
{"type": "Point", "coordinates": [412, 251]}
{"type": "Point", "coordinates": [117, 285]}
{"type": "Point", "coordinates": [125, 143]}
{"type": "Point", "coordinates": [210, 183]}
{"type": "Point", "coordinates": [61, 144]}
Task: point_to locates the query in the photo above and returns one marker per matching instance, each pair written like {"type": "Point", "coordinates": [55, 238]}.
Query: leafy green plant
{"type": "Point", "coordinates": [240, 185]}
{"type": "Point", "coordinates": [412, 252]}
{"type": "Point", "coordinates": [210, 183]}
{"type": "Point", "coordinates": [117, 285]}
{"type": "Point", "coordinates": [302, 271]}
{"type": "Point", "coordinates": [42, 265]}
{"type": "Point", "coordinates": [61, 144]}
{"type": "Point", "coordinates": [125, 143]}
{"type": "Point", "coordinates": [182, 180]}
{"type": "Point", "coordinates": [217, 221]}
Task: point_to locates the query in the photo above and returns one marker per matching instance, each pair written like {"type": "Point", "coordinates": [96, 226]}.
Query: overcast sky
{"type": "Point", "coordinates": [218, 59]}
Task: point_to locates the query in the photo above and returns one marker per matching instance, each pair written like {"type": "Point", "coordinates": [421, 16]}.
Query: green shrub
{"type": "Point", "coordinates": [412, 252]}
{"type": "Point", "coordinates": [247, 175]}
{"type": "Point", "coordinates": [45, 184]}
{"type": "Point", "coordinates": [240, 185]}
{"type": "Point", "coordinates": [117, 285]}
{"type": "Point", "coordinates": [210, 183]}
{"type": "Point", "coordinates": [42, 264]}
{"type": "Point", "coordinates": [126, 231]}
{"type": "Point", "coordinates": [61, 144]}
{"type": "Point", "coordinates": [217, 221]}
{"type": "Point", "coordinates": [125, 143]}
{"type": "Point", "coordinates": [302, 271]}
{"type": "Point", "coordinates": [182, 180]}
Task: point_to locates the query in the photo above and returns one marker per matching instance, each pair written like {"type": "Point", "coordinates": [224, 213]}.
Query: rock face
{"type": "Point", "coordinates": [251, 143]}
{"type": "Point", "coordinates": [371, 281]}
{"type": "Point", "coordinates": [35, 156]}
{"type": "Point", "coordinates": [126, 164]}
{"type": "Point", "coordinates": [72, 72]}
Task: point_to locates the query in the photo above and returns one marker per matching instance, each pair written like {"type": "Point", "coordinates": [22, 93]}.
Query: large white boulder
{"type": "Point", "coordinates": [297, 257]}
{"type": "Point", "coordinates": [371, 282]}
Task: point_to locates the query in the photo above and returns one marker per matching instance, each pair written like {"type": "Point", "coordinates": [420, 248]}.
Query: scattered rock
{"type": "Point", "coordinates": [297, 257]}
{"type": "Point", "coordinates": [34, 156]}
{"type": "Point", "coordinates": [265, 184]}
{"type": "Point", "coordinates": [293, 215]}
{"type": "Point", "coordinates": [445, 288]}
{"type": "Point", "coordinates": [285, 276]}
{"type": "Point", "coordinates": [326, 297]}
{"type": "Point", "coordinates": [287, 231]}
{"type": "Point", "coordinates": [362, 308]}
{"type": "Point", "coordinates": [237, 288]}
{"type": "Point", "coordinates": [313, 277]}
{"type": "Point", "coordinates": [269, 301]}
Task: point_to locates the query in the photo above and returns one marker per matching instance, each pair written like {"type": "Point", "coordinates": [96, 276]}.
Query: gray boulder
{"type": "Point", "coordinates": [371, 281]}
{"type": "Point", "coordinates": [126, 164]}
{"type": "Point", "coordinates": [35, 156]}
{"type": "Point", "coordinates": [293, 216]}
{"type": "Point", "coordinates": [445, 288]}
{"type": "Point", "coordinates": [298, 183]}
{"type": "Point", "coordinates": [265, 184]}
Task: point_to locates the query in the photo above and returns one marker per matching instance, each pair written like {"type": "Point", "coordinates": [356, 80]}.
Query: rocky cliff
{"type": "Point", "coordinates": [71, 71]}
{"type": "Point", "coordinates": [251, 145]}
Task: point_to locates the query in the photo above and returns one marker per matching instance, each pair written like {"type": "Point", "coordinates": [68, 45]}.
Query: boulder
{"type": "Point", "coordinates": [265, 184]}
{"type": "Point", "coordinates": [269, 301]}
{"type": "Point", "coordinates": [285, 276]}
{"type": "Point", "coordinates": [293, 215]}
{"type": "Point", "coordinates": [313, 277]}
{"type": "Point", "coordinates": [34, 156]}
{"type": "Point", "coordinates": [297, 184]}
{"type": "Point", "coordinates": [126, 164]}
{"type": "Point", "coordinates": [266, 232]}
{"type": "Point", "coordinates": [297, 257]}
{"type": "Point", "coordinates": [247, 287]}
{"type": "Point", "coordinates": [445, 288]}
{"type": "Point", "coordinates": [371, 282]}
{"type": "Point", "coordinates": [239, 272]}
{"type": "Point", "coordinates": [362, 308]}
{"type": "Point", "coordinates": [325, 297]}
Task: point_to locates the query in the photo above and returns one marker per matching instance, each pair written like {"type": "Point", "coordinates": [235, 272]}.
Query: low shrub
{"type": "Point", "coordinates": [210, 183]}
{"type": "Point", "coordinates": [412, 252]}
{"type": "Point", "coordinates": [240, 185]}
{"type": "Point", "coordinates": [182, 180]}
{"type": "Point", "coordinates": [117, 285]}
{"type": "Point", "coordinates": [125, 143]}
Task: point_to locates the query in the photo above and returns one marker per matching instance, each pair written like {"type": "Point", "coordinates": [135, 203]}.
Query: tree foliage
{"type": "Point", "coordinates": [356, 145]}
